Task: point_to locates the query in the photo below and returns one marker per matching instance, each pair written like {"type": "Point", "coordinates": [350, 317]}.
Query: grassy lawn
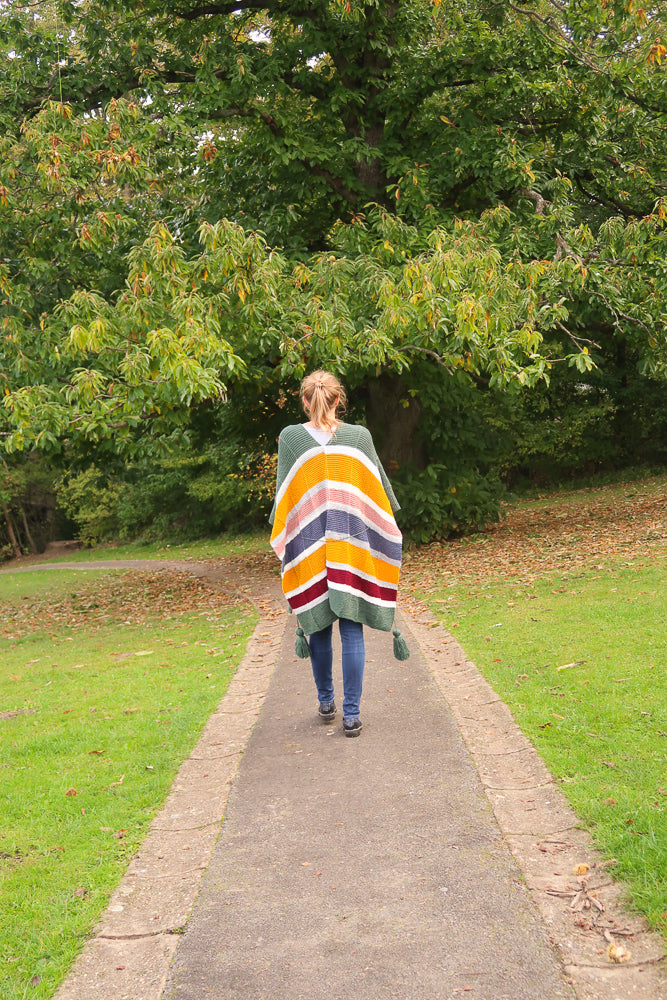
{"type": "Point", "coordinates": [106, 681]}
{"type": "Point", "coordinates": [224, 546]}
{"type": "Point", "coordinates": [563, 610]}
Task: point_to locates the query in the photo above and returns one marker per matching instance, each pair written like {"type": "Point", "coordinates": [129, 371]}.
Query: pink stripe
{"type": "Point", "coordinates": [333, 495]}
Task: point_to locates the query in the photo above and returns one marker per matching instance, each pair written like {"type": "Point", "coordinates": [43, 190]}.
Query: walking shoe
{"type": "Point", "coordinates": [327, 711]}
{"type": "Point", "coordinates": [352, 727]}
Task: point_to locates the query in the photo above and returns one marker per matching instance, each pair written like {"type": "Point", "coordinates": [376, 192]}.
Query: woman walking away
{"type": "Point", "coordinates": [335, 534]}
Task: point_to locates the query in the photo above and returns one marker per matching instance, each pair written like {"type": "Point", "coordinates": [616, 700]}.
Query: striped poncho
{"type": "Point", "coordinates": [334, 529]}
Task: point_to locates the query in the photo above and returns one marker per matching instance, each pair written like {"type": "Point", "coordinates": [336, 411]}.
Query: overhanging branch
{"type": "Point", "coordinates": [241, 6]}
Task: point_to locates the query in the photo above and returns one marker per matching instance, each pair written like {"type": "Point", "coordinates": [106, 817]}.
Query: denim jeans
{"type": "Point", "coordinates": [354, 658]}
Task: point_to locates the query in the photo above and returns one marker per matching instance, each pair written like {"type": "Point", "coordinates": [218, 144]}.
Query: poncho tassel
{"type": "Point", "coordinates": [401, 651]}
{"type": "Point", "coordinates": [301, 648]}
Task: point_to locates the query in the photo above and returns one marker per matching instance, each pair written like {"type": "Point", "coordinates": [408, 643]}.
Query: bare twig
{"type": "Point", "coordinates": [433, 354]}
{"type": "Point", "coordinates": [577, 341]}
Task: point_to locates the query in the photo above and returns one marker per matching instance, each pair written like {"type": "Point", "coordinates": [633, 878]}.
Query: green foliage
{"type": "Point", "coordinates": [91, 503]}
{"type": "Point", "coordinates": [576, 427]}
{"type": "Point", "coordinates": [27, 504]}
{"type": "Point", "coordinates": [186, 496]}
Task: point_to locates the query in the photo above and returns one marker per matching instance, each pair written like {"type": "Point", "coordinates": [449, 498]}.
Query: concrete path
{"type": "Point", "coordinates": [432, 857]}
{"type": "Point", "coordinates": [368, 865]}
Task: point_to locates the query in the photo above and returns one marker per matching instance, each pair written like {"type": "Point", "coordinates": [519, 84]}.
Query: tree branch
{"type": "Point", "coordinates": [608, 202]}
{"type": "Point", "coordinates": [432, 354]}
{"type": "Point", "coordinates": [577, 341]}
{"type": "Point", "coordinates": [210, 9]}
{"type": "Point", "coordinates": [567, 45]}
{"type": "Point", "coordinates": [617, 314]}
{"type": "Point", "coordinates": [536, 197]}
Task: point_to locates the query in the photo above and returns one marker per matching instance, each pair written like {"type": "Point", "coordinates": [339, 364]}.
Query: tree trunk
{"type": "Point", "coordinates": [31, 540]}
{"type": "Point", "coordinates": [393, 418]}
{"type": "Point", "coordinates": [11, 531]}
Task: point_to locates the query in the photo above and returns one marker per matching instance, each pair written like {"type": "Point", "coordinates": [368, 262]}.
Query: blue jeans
{"type": "Point", "coordinates": [354, 658]}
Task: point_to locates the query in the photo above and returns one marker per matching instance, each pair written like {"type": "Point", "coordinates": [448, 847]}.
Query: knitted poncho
{"type": "Point", "coordinates": [334, 530]}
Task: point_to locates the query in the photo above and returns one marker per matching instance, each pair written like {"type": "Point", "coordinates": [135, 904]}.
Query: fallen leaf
{"type": "Point", "coordinates": [71, 792]}
{"type": "Point", "coordinates": [617, 953]}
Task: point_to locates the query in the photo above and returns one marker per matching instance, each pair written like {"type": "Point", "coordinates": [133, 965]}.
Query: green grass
{"type": "Point", "coordinates": [206, 548]}
{"type": "Point", "coordinates": [582, 662]}
{"type": "Point", "coordinates": [109, 709]}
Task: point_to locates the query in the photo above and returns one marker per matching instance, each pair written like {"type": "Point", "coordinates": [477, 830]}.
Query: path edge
{"type": "Point", "coordinates": [130, 952]}
{"type": "Point", "coordinates": [545, 836]}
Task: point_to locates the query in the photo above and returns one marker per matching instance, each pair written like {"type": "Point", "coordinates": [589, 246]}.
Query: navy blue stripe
{"type": "Point", "coordinates": [343, 523]}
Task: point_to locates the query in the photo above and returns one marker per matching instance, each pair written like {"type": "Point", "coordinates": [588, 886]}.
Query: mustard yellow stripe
{"type": "Point", "coordinates": [358, 558]}
{"type": "Point", "coordinates": [276, 529]}
{"type": "Point", "coordinates": [343, 468]}
{"type": "Point", "coordinates": [311, 566]}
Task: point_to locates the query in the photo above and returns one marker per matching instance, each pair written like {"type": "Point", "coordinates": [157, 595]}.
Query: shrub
{"type": "Point", "coordinates": [182, 497]}
{"type": "Point", "coordinates": [91, 501]}
{"type": "Point", "coordinates": [438, 503]}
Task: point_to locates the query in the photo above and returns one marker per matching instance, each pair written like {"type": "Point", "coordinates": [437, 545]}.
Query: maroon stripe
{"type": "Point", "coordinates": [317, 589]}
{"type": "Point", "coordinates": [368, 587]}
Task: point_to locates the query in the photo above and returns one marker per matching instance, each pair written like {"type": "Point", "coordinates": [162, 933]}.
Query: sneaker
{"type": "Point", "coordinates": [352, 727]}
{"type": "Point", "coordinates": [327, 711]}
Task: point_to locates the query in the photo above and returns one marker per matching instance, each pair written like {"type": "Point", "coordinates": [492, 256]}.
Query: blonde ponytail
{"type": "Point", "coordinates": [320, 392]}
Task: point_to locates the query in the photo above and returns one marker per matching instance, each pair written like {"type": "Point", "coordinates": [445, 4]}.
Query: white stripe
{"type": "Point", "coordinates": [304, 586]}
{"type": "Point", "coordinates": [346, 588]}
{"type": "Point", "coordinates": [337, 536]}
{"type": "Point", "coordinates": [294, 469]}
{"type": "Point", "coordinates": [312, 604]}
{"type": "Point", "coordinates": [278, 544]}
{"type": "Point", "coordinates": [318, 543]}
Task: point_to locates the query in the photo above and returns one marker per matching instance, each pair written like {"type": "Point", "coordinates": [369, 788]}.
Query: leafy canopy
{"type": "Point", "coordinates": [447, 181]}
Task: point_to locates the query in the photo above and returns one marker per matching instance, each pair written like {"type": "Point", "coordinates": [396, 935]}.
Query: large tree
{"type": "Point", "coordinates": [477, 186]}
